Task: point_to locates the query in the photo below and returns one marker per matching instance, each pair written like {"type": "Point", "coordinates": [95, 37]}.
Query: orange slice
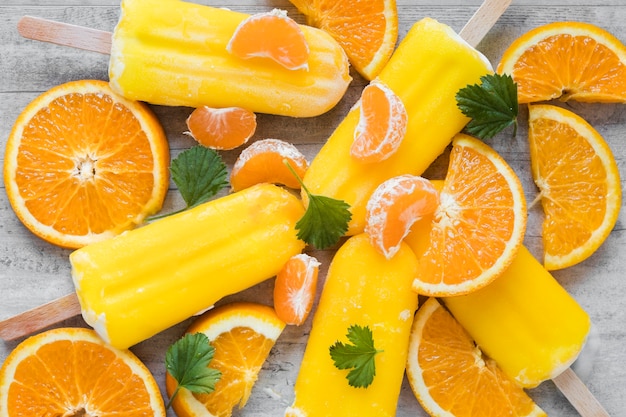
{"type": "Point", "coordinates": [367, 30]}
{"type": "Point", "coordinates": [271, 35]}
{"type": "Point", "coordinates": [83, 164]}
{"type": "Point", "coordinates": [294, 288]}
{"type": "Point", "coordinates": [72, 372]}
{"type": "Point", "coordinates": [243, 335]}
{"type": "Point", "coordinates": [579, 183]}
{"type": "Point", "coordinates": [478, 226]}
{"type": "Point", "coordinates": [221, 129]}
{"type": "Point", "coordinates": [393, 208]}
{"type": "Point", "coordinates": [567, 60]}
{"type": "Point", "coordinates": [264, 161]}
{"type": "Point", "coordinates": [451, 377]}
{"type": "Point", "coordinates": [382, 124]}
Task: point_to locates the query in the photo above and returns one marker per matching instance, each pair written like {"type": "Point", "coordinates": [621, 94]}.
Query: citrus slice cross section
{"type": "Point", "coordinates": [567, 60]}
{"type": "Point", "coordinates": [579, 183]}
{"type": "Point", "coordinates": [451, 377]}
{"type": "Point", "coordinates": [271, 35]}
{"type": "Point", "coordinates": [242, 334]}
{"type": "Point", "coordinates": [479, 225]}
{"type": "Point", "coordinates": [367, 30]}
{"type": "Point", "coordinates": [83, 164]}
{"type": "Point", "coordinates": [71, 371]}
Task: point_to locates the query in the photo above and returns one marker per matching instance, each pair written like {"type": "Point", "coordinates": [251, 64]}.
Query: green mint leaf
{"type": "Point", "coordinates": [199, 173]}
{"type": "Point", "coordinates": [325, 220]}
{"type": "Point", "coordinates": [492, 105]}
{"type": "Point", "coordinates": [187, 361]}
{"type": "Point", "coordinates": [357, 356]}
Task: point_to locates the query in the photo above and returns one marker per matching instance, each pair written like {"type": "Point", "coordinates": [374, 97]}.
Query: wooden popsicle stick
{"type": "Point", "coordinates": [65, 34]}
{"type": "Point", "coordinates": [40, 317]}
{"type": "Point", "coordinates": [483, 20]}
{"type": "Point", "coordinates": [578, 394]}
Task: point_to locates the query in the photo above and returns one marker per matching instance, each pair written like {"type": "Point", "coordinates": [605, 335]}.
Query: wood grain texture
{"type": "Point", "coordinates": [33, 272]}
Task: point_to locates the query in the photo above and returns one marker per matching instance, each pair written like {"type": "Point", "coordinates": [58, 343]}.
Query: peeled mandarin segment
{"type": "Point", "coordinates": [382, 124]}
{"type": "Point", "coordinates": [525, 320]}
{"type": "Point", "coordinates": [295, 288]}
{"type": "Point", "coordinates": [393, 208]}
{"type": "Point", "coordinates": [567, 60]}
{"type": "Point", "coordinates": [142, 282]}
{"type": "Point", "coordinates": [242, 334]}
{"type": "Point", "coordinates": [428, 68]}
{"type": "Point", "coordinates": [579, 184]}
{"type": "Point", "coordinates": [362, 288]}
{"type": "Point", "coordinates": [172, 52]}
{"type": "Point", "coordinates": [450, 375]}
{"type": "Point", "coordinates": [221, 129]}
{"type": "Point", "coordinates": [265, 161]}
{"type": "Point", "coordinates": [478, 226]}
{"type": "Point", "coordinates": [271, 35]}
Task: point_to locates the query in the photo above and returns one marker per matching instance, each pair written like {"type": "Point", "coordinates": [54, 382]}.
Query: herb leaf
{"type": "Point", "coordinates": [187, 361]}
{"type": "Point", "coordinates": [325, 220]}
{"type": "Point", "coordinates": [359, 356]}
{"type": "Point", "coordinates": [199, 173]}
{"type": "Point", "coordinates": [492, 105]}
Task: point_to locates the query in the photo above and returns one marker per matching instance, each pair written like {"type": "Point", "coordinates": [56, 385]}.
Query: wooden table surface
{"type": "Point", "coordinates": [33, 272]}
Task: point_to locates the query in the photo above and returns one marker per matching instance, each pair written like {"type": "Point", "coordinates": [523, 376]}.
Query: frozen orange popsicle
{"type": "Point", "coordinates": [431, 64]}
{"type": "Point", "coordinates": [171, 52]}
{"type": "Point", "coordinates": [137, 284]}
{"type": "Point", "coordinates": [524, 320]}
{"type": "Point", "coordinates": [366, 289]}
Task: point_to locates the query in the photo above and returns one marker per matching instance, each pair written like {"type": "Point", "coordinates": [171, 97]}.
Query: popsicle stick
{"type": "Point", "coordinates": [65, 34]}
{"type": "Point", "coordinates": [483, 20]}
{"type": "Point", "coordinates": [40, 317]}
{"type": "Point", "coordinates": [579, 395]}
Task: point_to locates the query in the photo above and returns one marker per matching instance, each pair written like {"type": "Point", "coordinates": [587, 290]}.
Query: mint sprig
{"type": "Point", "coordinates": [187, 361]}
{"type": "Point", "coordinates": [492, 105]}
{"type": "Point", "coordinates": [325, 220]}
{"type": "Point", "coordinates": [357, 356]}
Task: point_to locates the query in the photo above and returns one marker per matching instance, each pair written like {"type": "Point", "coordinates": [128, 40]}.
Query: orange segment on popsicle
{"type": "Point", "coordinates": [382, 124]}
{"type": "Point", "coordinates": [271, 35]}
{"type": "Point", "coordinates": [393, 208]}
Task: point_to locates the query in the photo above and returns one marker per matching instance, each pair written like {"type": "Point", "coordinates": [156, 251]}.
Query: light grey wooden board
{"type": "Point", "coordinates": [33, 272]}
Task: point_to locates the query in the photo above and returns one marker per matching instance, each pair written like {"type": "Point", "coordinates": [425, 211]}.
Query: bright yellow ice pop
{"type": "Point", "coordinates": [171, 52]}
{"type": "Point", "coordinates": [524, 320]}
{"type": "Point", "coordinates": [431, 64]}
{"type": "Point", "coordinates": [362, 288]}
{"type": "Point", "coordinates": [139, 283]}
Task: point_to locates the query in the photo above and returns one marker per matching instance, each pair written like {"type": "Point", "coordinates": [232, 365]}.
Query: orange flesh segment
{"type": "Point", "coordinates": [221, 129]}
{"type": "Point", "coordinates": [382, 124]}
{"type": "Point", "coordinates": [264, 161]}
{"type": "Point", "coordinates": [271, 35]}
{"type": "Point", "coordinates": [393, 208]}
{"type": "Point", "coordinates": [295, 288]}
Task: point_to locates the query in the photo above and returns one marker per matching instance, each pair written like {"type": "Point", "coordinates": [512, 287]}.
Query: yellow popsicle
{"type": "Point", "coordinates": [525, 320]}
{"type": "Point", "coordinates": [139, 283]}
{"type": "Point", "coordinates": [431, 64]}
{"type": "Point", "coordinates": [171, 52]}
{"type": "Point", "coordinates": [362, 288]}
